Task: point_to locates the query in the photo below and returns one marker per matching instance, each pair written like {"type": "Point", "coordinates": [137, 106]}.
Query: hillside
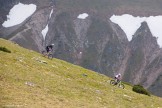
{"type": "Point", "coordinates": [94, 42]}
{"type": "Point", "coordinates": [28, 80]}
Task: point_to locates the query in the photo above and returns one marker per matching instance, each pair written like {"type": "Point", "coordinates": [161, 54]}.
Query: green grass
{"type": "Point", "coordinates": [58, 84]}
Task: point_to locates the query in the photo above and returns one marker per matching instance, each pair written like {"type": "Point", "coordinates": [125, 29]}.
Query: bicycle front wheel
{"type": "Point", "coordinates": [121, 85]}
{"type": "Point", "coordinates": [50, 56]}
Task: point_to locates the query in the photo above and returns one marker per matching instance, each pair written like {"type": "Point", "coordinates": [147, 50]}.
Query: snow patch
{"type": "Point", "coordinates": [51, 13]}
{"type": "Point", "coordinates": [18, 14]}
{"type": "Point", "coordinates": [83, 16]}
{"type": "Point", "coordinates": [129, 24]}
{"type": "Point", "coordinates": [155, 25]}
{"type": "Point", "coordinates": [44, 31]}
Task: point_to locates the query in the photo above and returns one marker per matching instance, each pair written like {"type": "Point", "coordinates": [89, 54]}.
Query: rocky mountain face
{"type": "Point", "coordinates": [95, 42]}
{"type": "Point", "coordinates": [143, 52]}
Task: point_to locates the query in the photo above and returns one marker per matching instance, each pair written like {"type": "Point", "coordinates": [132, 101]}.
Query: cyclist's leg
{"type": "Point", "coordinates": [119, 82]}
{"type": "Point", "coordinates": [116, 81]}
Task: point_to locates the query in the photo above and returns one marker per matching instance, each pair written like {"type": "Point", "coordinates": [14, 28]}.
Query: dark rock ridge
{"type": "Point", "coordinates": [95, 42]}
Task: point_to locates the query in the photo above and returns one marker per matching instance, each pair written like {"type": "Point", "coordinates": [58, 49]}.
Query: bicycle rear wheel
{"type": "Point", "coordinates": [112, 82]}
{"type": "Point", "coordinates": [44, 53]}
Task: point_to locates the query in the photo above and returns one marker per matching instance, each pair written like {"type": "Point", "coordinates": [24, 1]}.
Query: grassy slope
{"type": "Point", "coordinates": [59, 84]}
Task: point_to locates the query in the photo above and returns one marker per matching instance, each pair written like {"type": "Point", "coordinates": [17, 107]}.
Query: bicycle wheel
{"type": "Point", "coordinates": [121, 85]}
{"type": "Point", "coordinates": [44, 53]}
{"type": "Point", "coordinates": [50, 56]}
{"type": "Point", "coordinates": [112, 82]}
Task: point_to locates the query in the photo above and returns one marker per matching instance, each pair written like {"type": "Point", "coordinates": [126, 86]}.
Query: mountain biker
{"type": "Point", "coordinates": [117, 78]}
{"type": "Point", "coordinates": [49, 48]}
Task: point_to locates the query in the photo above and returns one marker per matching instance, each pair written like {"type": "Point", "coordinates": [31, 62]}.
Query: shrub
{"type": "Point", "coordinates": [140, 89]}
{"type": "Point", "coordinates": [5, 49]}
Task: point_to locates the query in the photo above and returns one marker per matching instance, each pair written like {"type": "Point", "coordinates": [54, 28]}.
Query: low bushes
{"type": "Point", "coordinates": [140, 89]}
{"type": "Point", "coordinates": [4, 49]}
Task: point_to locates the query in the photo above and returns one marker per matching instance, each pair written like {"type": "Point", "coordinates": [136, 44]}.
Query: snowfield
{"type": "Point", "coordinates": [129, 24]}
{"type": "Point", "coordinates": [18, 14]}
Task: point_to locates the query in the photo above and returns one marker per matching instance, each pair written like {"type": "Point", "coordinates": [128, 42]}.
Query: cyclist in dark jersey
{"type": "Point", "coordinates": [49, 48]}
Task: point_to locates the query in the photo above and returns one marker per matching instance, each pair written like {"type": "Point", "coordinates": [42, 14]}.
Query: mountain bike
{"type": "Point", "coordinates": [47, 54]}
{"type": "Point", "coordinates": [119, 84]}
